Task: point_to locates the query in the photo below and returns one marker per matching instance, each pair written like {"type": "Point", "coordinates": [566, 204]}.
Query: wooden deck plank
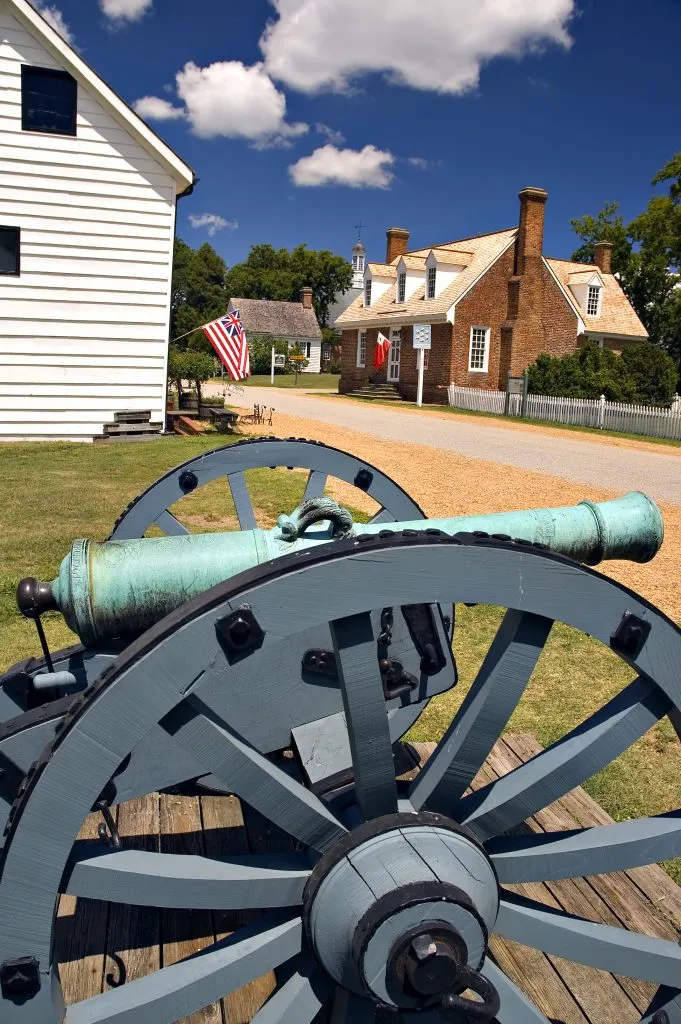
{"type": "Point", "coordinates": [225, 834]}
{"type": "Point", "coordinates": [81, 935]}
{"type": "Point", "coordinates": [133, 938]}
{"type": "Point", "coordinates": [184, 932]}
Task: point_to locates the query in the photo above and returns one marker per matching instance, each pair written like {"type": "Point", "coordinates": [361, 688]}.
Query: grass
{"type": "Point", "coordinates": [53, 493]}
{"type": "Point", "coordinates": [326, 381]}
{"type": "Point", "coordinates": [668, 441]}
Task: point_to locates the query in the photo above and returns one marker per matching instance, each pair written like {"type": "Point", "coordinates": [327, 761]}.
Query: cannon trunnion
{"type": "Point", "coordinates": [329, 649]}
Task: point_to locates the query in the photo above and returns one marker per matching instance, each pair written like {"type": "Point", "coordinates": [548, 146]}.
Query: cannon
{"type": "Point", "coordinates": [387, 903]}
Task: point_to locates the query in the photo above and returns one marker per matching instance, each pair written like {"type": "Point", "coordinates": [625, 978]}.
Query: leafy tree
{"type": "Point", "coordinates": [191, 365]}
{"type": "Point", "coordinates": [278, 274]}
{"type": "Point", "coordinates": [298, 360]}
{"type": "Point", "coordinates": [606, 226]}
{"type": "Point", "coordinates": [198, 293]}
{"type": "Point", "coordinates": [643, 374]}
{"type": "Point", "coordinates": [260, 351]}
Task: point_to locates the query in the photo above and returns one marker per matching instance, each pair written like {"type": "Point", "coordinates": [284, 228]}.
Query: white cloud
{"type": "Point", "coordinates": [419, 161]}
{"type": "Point", "coordinates": [439, 45]}
{"type": "Point", "coordinates": [228, 98]}
{"type": "Point", "coordinates": [153, 108]}
{"type": "Point", "coordinates": [212, 221]}
{"type": "Point", "coordinates": [125, 10]}
{"type": "Point", "coordinates": [55, 18]}
{"type": "Point", "coordinates": [364, 168]}
{"type": "Point", "coordinates": [336, 138]}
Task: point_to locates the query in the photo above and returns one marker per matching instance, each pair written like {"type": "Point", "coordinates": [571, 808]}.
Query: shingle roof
{"type": "Point", "coordinates": [280, 319]}
{"type": "Point", "coordinates": [410, 262]}
{"type": "Point", "coordinates": [382, 269]}
{"type": "Point", "coordinates": [582, 276]}
{"type": "Point", "coordinates": [453, 256]}
{"type": "Point", "coordinates": [617, 315]}
{"type": "Point", "coordinates": [483, 250]}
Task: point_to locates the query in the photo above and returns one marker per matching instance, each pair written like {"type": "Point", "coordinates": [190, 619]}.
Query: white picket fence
{"type": "Point", "coordinates": [583, 412]}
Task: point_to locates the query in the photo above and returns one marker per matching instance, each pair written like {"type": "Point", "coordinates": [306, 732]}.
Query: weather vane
{"type": "Point", "coordinates": [358, 228]}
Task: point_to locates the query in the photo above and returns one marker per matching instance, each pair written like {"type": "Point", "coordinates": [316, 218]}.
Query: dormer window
{"type": "Point", "coordinates": [401, 287]}
{"type": "Point", "coordinates": [367, 293]}
{"type": "Point", "coordinates": [430, 283]}
{"type": "Point", "coordinates": [593, 301]}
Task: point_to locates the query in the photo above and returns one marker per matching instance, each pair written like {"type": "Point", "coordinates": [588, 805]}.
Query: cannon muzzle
{"type": "Point", "coordinates": [120, 588]}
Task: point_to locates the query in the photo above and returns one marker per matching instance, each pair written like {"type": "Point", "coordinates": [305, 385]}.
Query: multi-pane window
{"type": "Point", "coordinates": [593, 300]}
{"type": "Point", "coordinates": [367, 293]}
{"type": "Point", "coordinates": [49, 99]}
{"type": "Point", "coordinates": [358, 263]}
{"type": "Point", "coordinates": [430, 285]}
{"type": "Point", "coordinates": [479, 350]}
{"type": "Point", "coordinates": [10, 248]}
{"type": "Point", "coordinates": [361, 348]}
{"type": "Point", "coordinates": [401, 287]}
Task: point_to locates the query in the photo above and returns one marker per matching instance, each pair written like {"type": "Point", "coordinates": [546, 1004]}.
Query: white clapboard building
{"type": "Point", "coordinates": [87, 220]}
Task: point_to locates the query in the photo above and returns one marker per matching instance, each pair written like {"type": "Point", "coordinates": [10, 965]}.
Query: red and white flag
{"type": "Point", "coordinates": [228, 338]}
{"type": "Point", "coordinates": [381, 350]}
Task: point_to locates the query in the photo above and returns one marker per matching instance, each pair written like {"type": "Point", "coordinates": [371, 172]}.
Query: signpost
{"type": "Point", "coordinates": [278, 362]}
{"type": "Point", "coordinates": [516, 386]}
{"type": "Point", "coordinates": [422, 340]}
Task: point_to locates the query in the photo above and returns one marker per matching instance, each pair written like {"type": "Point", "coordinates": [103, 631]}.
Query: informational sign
{"type": "Point", "coordinates": [279, 360]}
{"type": "Point", "coordinates": [422, 335]}
{"type": "Point", "coordinates": [515, 385]}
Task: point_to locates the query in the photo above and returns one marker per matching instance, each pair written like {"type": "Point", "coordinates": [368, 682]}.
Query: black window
{"type": "Point", "coordinates": [9, 251]}
{"type": "Point", "coordinates": [48, 101]}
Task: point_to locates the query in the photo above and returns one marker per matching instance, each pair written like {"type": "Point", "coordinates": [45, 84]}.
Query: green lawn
{"type": "Point", "coordinates": [327, 381]}
{"type": "Point", "coordinates": [53, 493]}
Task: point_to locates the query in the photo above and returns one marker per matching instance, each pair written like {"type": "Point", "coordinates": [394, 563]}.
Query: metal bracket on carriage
{"type": "Point", "coordinates": [316, 510]}
{"type": "Point", "coordinates": [396, 682]}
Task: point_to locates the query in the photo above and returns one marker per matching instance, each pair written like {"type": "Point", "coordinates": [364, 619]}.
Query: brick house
{"type": "Point", "coordinates": [494, 301]}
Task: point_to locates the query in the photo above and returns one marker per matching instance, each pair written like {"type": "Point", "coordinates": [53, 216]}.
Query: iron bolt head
{"type": "Point", "coordinates": [19, 977]}
{"type": "Point", "coordinates": [239, 631]}
{"type": "Point", "coordinates": [432, 966]}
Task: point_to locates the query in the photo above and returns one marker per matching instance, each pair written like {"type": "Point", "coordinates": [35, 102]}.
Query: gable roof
{"type": "Point", "coordinates": [456, 256]}
{"type": "Point", "coordinates": [279, 319]}
{"type": "Point", "coordinates": [617, 315]}
{"type": "Point", "coordinates": [382, 269]}
{"type": "Point", "coordinates": [584, 277]}
{"type": "Point", "coordinates": [484, 250]}
{"type": "Point", "coordinates": [36, 25]}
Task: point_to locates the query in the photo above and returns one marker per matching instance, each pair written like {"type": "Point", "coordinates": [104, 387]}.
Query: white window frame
{"type": "Point", "coordinates": [431, 275]}
{"type": "Point", "coordinates": [401, 287]}
{"type": "Point", "coordinates": [485, 364]}
{"type": "Point", "coordinates": [361, 349]}
{"type": "Point", "coordinates": [367, 292]}
{"type": "Point", "coordinates": [599, 293]}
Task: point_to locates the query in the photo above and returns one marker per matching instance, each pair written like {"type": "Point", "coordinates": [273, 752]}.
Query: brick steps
{"type": "Point", "coordinates": [377, 392]}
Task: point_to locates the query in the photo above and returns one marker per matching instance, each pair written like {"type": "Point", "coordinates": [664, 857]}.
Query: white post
{"type": "Point", "coordinates": [272, 367]}
{"type": "Point", "coordinates": [419, 392]}
{"type": "Point", "coordinates": [601, 412]}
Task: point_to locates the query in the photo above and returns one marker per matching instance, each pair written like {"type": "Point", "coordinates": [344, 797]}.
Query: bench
{"type": "Point", "coordinates": [226, 419]}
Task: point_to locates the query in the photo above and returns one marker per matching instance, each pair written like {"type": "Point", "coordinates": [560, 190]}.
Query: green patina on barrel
{"type": "Point", "coordinates": [120, 588]}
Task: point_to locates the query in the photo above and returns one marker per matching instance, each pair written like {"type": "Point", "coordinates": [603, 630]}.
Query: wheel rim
{"type": "Point", "coordinates": [151, 678]}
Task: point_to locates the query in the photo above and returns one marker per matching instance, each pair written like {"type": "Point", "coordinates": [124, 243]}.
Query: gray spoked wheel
{"type": "Point", "coordinates": [388, 878]}
{"type": "Point", "coordinates": [231, 461]}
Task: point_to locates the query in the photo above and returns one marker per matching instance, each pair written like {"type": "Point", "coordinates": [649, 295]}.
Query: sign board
{"type": "Point", "coordinates": [422, 334]}
{"type": "Point", "coordinates": [279, 360]}
{"type": "Point", "coordinates": [515, 386]}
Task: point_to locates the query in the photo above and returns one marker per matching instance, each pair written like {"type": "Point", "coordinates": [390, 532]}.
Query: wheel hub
{"type": "Point", "coordinates": [401, 909]}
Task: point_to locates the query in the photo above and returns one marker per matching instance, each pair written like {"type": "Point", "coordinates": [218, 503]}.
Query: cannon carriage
{"type": "Point", "coordinates": [205, 657]}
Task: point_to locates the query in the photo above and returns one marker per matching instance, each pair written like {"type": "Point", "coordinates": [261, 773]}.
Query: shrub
{"type": "Point", "coordinates": [643, 374]}
{"type": "Point", "coordinates": [260, 351]}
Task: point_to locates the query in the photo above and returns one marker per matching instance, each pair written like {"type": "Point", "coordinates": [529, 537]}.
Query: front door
{"type": "Point", "coordinates": [394, 355]}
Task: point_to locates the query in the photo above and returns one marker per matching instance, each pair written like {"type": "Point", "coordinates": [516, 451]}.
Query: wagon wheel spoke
{"type": "Point", "coordinates": [199, 980]}
{"type": "Point", "coordinates": [366, 715]}
{"type": "Point", "coordinates": [516, 1008]}
{"type": "Point", "coordinates": [383, 516]}
{"type": "Point", "coordinates": [170, 880]}
{"type": "Point", "coordinates": [300, 999]}
{"type": "Point", "coordinates": [349, 1008]}
{"type": "Point", "coordinates": [242, 501]}
{"type": "Point", "coordinates": [515, 797]}
{"type": "Point", "coordinates": [170, 525]}
{"type": "Point", "coordinates": [588, 851]}
{"type": "Point", "coordinates": [668, 1000]}
{"type": "Point", "coordinates": [316, 482]}
{"type": "Point", "coordinates": [616, 950]}
{"type": "Point", "coordinates": [243, 770]}
{"type": "Point", "coordinates": [498, 687]}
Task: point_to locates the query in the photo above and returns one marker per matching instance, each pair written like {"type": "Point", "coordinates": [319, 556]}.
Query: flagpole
{"type": "Point", "coordinates": [193, 331]}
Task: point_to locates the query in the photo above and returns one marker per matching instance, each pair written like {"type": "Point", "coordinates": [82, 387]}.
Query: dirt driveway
{"type": "Point", "coordinates": [619, 465]}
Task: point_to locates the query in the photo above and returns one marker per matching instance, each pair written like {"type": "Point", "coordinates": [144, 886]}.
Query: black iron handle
{"type": "Point", "coordinates": [455, 1008]}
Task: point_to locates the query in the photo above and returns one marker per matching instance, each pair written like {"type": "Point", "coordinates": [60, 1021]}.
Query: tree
{"type": "Point", "coordinates": [607, 226]}
{"type": "Point", "coordinates": [270, 273]}
{"type": "Point", "coordinates": [260, 352]}
{"type": "Point", "coordinates": [198, 293]}
{"type": "Point", "coordinates": [299, 360]}
{"type": "Point", "coordinates": [191, 365]}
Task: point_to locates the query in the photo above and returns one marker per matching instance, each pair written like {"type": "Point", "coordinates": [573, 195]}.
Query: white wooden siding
{"type": "Point", "coordinates": [84, 329]}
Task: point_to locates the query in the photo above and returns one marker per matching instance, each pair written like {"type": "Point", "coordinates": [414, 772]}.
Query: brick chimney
{"type": "Point", "coordinates": [398, 242]}
{"type": "Point", "coordinates": [306, 297]}
{"type": "Point", "coordinates": [530, 239]}
{"type": "Point", "coordinates": [603, 257]}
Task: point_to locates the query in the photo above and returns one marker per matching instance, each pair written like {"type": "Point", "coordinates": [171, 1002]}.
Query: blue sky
{"type": "Point", "coordinates": [441, 110]}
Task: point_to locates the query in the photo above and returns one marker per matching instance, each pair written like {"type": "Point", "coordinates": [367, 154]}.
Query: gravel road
{"type": "Point", "coordinates": [607, 462]}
